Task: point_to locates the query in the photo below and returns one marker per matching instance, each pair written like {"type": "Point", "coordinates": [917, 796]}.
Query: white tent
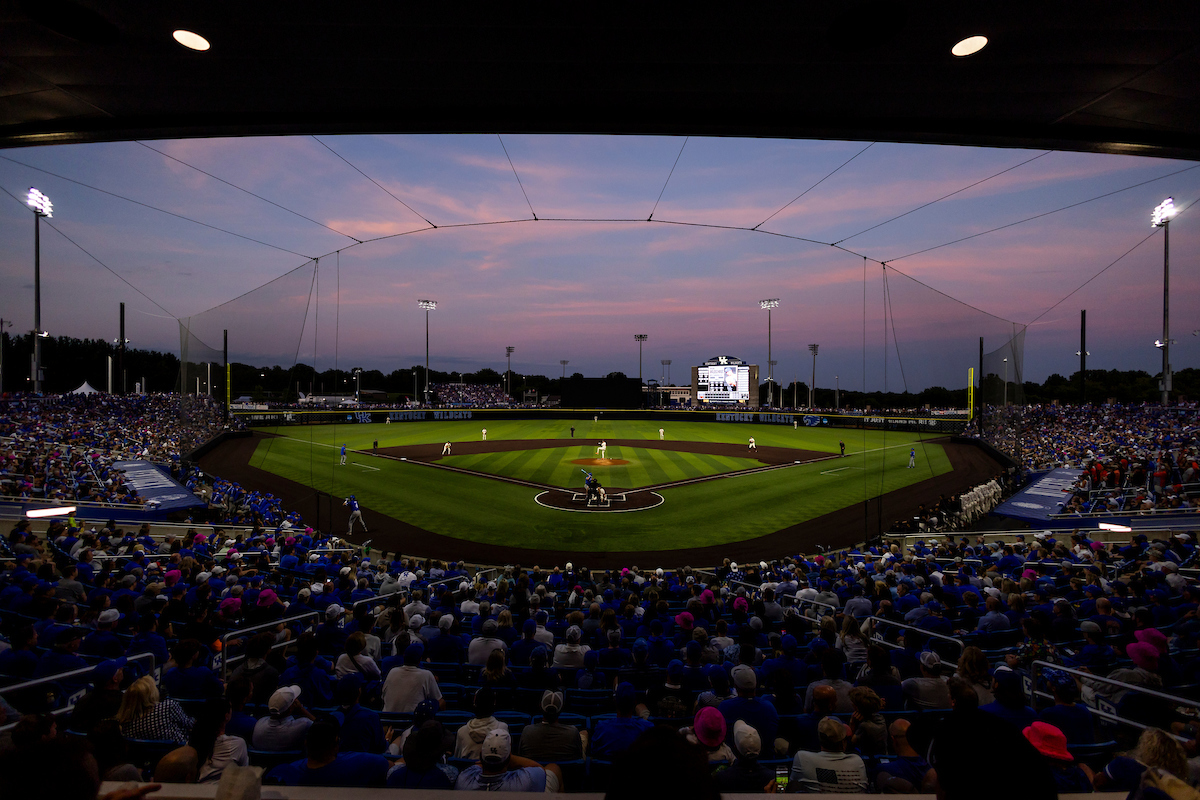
{"type": "Point", "coordinates": [86, 388]}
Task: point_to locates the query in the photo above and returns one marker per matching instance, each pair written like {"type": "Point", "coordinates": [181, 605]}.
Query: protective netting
{"type": "Point", "coordinates": [1003, 372]}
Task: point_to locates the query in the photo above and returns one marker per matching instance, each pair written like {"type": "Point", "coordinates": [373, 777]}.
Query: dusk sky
{"type": "Point", "coordinates": [580, 290]}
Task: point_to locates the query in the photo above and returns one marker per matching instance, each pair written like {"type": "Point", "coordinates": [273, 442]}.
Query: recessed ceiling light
{"type": "Point", "coordinates": [969, 46]}
{"type": "Point", "coordinates": [195, 41]}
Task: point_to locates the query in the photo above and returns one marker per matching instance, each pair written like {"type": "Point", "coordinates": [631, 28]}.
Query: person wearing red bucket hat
{"type": "Point", "coordinates": [1069, 777]}
{"type": "Point", "coordinates": [709, 731]}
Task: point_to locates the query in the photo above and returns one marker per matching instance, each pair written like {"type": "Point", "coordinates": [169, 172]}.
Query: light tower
{"type": "Point", "coordinates": [564, 363]}
{"type": "Point", "coordinates": [1161, 218]}
{"type": "Point", "coordinates": [768, 305]}
{"type": "Point", "coordinates": [42, 207]}
{"type": "Point", "coordinates": [640, 338]}
{"type": "Point", "coordinates": [508, 351]}
{"type": "Point", "coordinates": [666, 362]}
{"type": "Point", "coordinates": [812, 388]}
{"type": "Point", "coordinates": [428, 305]}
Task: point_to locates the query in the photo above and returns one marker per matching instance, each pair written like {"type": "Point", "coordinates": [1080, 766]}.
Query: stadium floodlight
{"type": "Point", "coordinates": [1161, 218]}
{"type": "Point", "coordinates": [357, 384]}
{"type": "Point", "coordinates": [1005, 383]}
{"type": "Point", "coordinates": [969, 46]}
{"type": "Point", "coordinates": [428, 305]}
{"type": "Point", "coordinates": [508, 351]}
{"type": "Point", "coordinates": [564, 363]}
{"type": "Point", "coordinates": [60, 511]}
{"type": "Point", "coordinates": [666, 362]}
{"type": "Point", "coordinates": [42, 207]}
{"type": "Point", "coordinates": [812, 389]}
{"type": "Point", "coordinates": [768, 305]}
{"type": "Point", "coordinates": [640, 338]}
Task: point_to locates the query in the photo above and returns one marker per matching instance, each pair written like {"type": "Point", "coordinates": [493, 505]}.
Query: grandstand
{"type": "Point", "coordinates": [1078, 648]}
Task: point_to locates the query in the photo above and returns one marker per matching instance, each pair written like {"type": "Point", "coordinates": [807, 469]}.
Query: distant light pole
{"type": "Point", "coordinates": [837, 393]}
{"type": "Point", "coordinates": [666, 362]}
{"type": "Point", "coordinates": [357, 384]}
{"type": "Point", "coordinates": [42, 207]}
{"type": "Point", "coordinates": [3, 324]}
{"type": "Point", "coordinates": [812, 348]}
{"type": "Point", "coordinates": [1161, 218]}
{"type": "Point", "coordinates": [564, 363]}
{"type": "Point", "coordinates": [768, 305]}
{"type": "Point", "coordinates": [415, 388]}
{"type": "Point", "coordinates": [770, 371]}
{"type": "Point", "coordinates": [508, 351]}
{"type": "Point", "coordinates": [640, 338]}
{"type": "Point", "coordinates": [428, 305]}
{"type": "Point", "coordinates": [1005, 383]}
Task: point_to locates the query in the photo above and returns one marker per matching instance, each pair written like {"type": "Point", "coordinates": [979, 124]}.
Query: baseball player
{"type": "Point", "coordinates": [355, 514]}
{"type": "Point", "coordinates": [753, 446]}
{"type": "Point", "coordinates": [343, 455]}
{"type": "Point", "coordinates": [485, 434]}
{"type": "Point", "coordinates": [912, 458]}
{"type": "Point", "coordinates": [602, 450]}
{"type": "Point", "coordinates": [842, 445]}
{"type": "Point", "coordinates": [446, 449]}
{"type": "Point", "coordinates": [661, 434]}
{"type": "Point", "coordinates": [795, 424]}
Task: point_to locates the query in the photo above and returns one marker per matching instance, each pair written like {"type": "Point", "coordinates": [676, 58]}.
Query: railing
{"type": "Point", "coordinates": [1103, 708]}
{"type": "Point", "coordinates": [879, 639]}
{"type": "Point", "coordinates": [74, 696]}
{"type": "Point", "coordinates": [241, 633]}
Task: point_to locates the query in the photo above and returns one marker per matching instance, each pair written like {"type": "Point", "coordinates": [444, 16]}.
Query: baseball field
{"type": "Point", "coordinates": [709, 487]}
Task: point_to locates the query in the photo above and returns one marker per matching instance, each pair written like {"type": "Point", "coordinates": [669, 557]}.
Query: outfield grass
{"type": "Point", "coordinates": [475, 508]}
{"type": "Point", "coordinates": [647, 467]}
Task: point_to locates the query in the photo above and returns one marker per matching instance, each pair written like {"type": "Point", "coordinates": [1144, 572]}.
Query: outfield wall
{"type": "Point", "coordinates": [931, 424]}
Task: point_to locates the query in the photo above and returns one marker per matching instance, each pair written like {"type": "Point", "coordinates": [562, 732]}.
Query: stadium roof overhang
{"type": "Point", "coordinates": [1119, 78]}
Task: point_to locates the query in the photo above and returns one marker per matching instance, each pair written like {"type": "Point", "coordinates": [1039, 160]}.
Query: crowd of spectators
{"type": "Point", "coordinates": [419, 674]}
{"type": "Point", "coordinates": [62, 447]}
{"type": "Point", "coordinates": [473, 395]}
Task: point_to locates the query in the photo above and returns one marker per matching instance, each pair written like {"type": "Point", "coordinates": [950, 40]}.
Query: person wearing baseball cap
{"type": "Point", "coordinates": [104, 700]}
{"type": "Point", "coordinates": [549, 739]}
{"type": "Point", "coordinates": [500, 771]}
{"type": "Point", "coordinates": [614, 736]}
{"type": "Point", "coordinates": [745, 705]}
{"type": "Point", "coordinates": [287, 726]}
{"type": "Point", "coordinates": [361, 730]}
{"type": "Point", "coordinates": [929, 690]}
{"type": "Point", "coordinates": [708, 731]}
{"type": "Point", "coordinates": [831, 769]}
{"type": "Point", "coordinates": [745, 774]}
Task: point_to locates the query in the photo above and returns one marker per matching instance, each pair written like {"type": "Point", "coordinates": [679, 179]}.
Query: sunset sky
{"type": "Point", "coordinates": [580, 289]}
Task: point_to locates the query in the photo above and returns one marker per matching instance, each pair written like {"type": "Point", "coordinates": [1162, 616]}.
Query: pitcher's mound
{"type": "Point", "coordinates": [600, 462]}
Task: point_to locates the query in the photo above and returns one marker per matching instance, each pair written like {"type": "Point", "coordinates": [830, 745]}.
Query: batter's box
{"type": "Point", "coordinates": [581, 497]}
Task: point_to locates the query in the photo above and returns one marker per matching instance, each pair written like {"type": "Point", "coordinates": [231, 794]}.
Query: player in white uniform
{"type": "Point", "coordinates": [446, 449]}
{"type": "Point", "coordinates": [661, 434]}
{"type": "Point", "coordinates": [602, 450]}
{"type": "Point", "coordinates": [753, 446]}
{"type": "Point", "coordinates": [485, 434]}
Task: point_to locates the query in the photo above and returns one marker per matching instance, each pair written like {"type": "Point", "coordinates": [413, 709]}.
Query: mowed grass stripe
{"type": "Point", "coordinates": [664, 464]}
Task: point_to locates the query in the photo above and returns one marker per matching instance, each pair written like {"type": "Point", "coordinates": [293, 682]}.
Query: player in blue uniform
{"type": "Point", "coordinates": [912, 458]}
{"type": "Point", "coordinates": [355, 514]}
{"type": "Point", "coordinates": [343, 455]}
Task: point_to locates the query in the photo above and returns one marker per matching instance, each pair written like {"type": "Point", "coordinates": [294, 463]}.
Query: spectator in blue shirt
{"type": "Point", "coordinates": [188, 679]}
{"type": "Point", "coordinates": [103, 642]}
{"type": "Point", "coordinates": [147, 640]}
{"type": "Point", "coordinates": [1067, 714]}
{"type": "Point", "coordinates": [311, 677]}
{"type": "Point", "coordinates": [326, 766]}
{"type": "Point", "coordinates": [614, 736]}
{"type": "Point", "coordinates": [758, 713]}
{"type": "Point", "coordinates": [1009, 704]}
{"type": "Point", "coordinates": [361, 730]}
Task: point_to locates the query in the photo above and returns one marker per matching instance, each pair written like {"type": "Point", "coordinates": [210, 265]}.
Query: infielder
{"type": "Point", "coordinates": [753, 446]}
{"type": "Point", "coordinates": [485, 434]}
{"type": "Point", "coordinates": [912, 458]}
{"type": "Point", "coordinates": [343, 455]}
{"type": "Point", "coordinates": [661, 434]}
{"type": "Point", "coordinates": [446, 449]}
{"type": "Point", "coordinates": [355, 514]}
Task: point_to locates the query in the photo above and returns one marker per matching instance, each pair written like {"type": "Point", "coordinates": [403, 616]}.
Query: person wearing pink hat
{"type": "Point", "coordinates": [1143, 673]}
{"type": "Point", "coordinates": [1069, 777]}
{"type": "Point", "coordinates": [708, 730]}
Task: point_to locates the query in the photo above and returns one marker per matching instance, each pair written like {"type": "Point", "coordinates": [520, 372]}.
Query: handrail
{"type": "Point", "coordinates": [961, 644]}
{"type": "Point", "coordinates": [70, 705]}
{"type": "Point", "coordinates": [1100, 712]}
{"type": "Point", "coordinates": [241, 633]}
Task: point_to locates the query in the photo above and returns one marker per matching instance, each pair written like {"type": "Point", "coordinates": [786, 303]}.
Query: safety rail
{"type": "Point", "coordinates": [74, 696]}
{"type": "Point", "coordinates": [878, 638]}
{"type": "Point", "coordinates": [242, 633]}
{"type": "Point", "coordinates": [1103, 708]}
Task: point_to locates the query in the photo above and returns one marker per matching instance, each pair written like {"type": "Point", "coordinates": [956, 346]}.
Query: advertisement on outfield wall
{"type": "Point", "coordinates": [932, 424]}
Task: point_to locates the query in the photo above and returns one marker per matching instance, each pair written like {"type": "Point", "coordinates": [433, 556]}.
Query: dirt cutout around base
{"type": "Point", "coordinates": [600, 462]}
